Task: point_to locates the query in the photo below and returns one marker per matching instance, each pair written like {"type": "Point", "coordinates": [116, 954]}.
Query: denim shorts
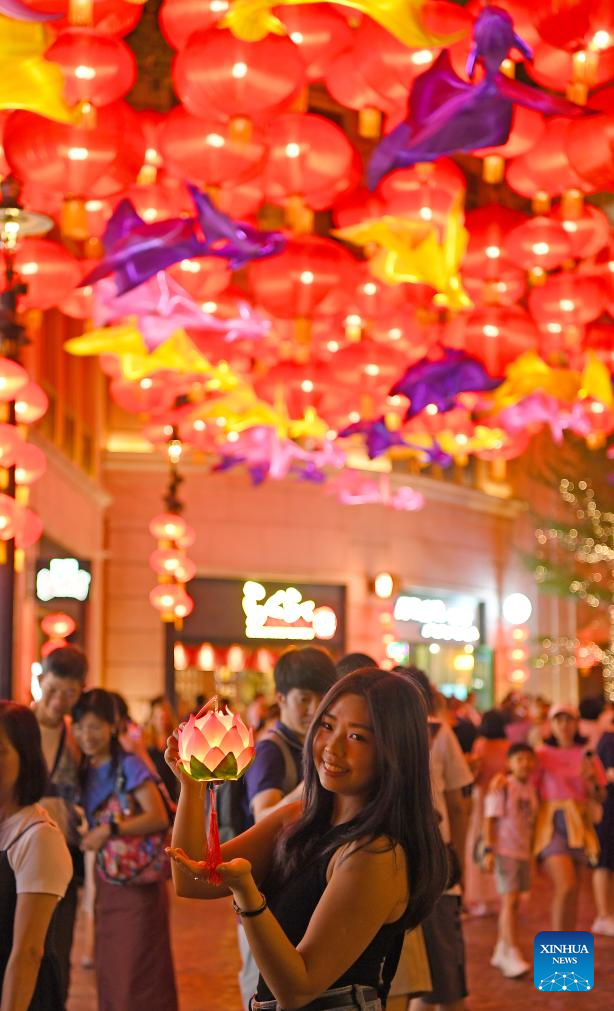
{"type": "Point", "coordinates": [343, 998]}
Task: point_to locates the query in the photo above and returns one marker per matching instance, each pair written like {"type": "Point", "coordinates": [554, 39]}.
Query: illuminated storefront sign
{"type": "Point", "coordinates": [454, 620]}
{"type": "Point", "coordinates": [284, 614]}
{"type": "Point", "coordinates": [63, 578]}
{"type": "Point", "coordinates": [256, 610]}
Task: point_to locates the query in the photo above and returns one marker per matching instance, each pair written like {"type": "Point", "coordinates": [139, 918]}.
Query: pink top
{"type": "Point", "coordinates": [515, 808]}
{"type": "Point", "coordinates": [559, 772]}
{"type": "Point", "coordinates": [493, 758]}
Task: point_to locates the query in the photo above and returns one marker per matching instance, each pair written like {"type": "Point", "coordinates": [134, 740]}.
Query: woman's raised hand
{"type": "Point", "coordinates": [171, 757]}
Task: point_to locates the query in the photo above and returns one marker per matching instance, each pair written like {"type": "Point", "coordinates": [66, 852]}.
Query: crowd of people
{"type": "Point", "coordinates": [376, 816]}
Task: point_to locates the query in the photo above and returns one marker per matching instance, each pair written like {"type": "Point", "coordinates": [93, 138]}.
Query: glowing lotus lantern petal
{"type": "Point", "coordinates": [168, 527]}
{"type": "Point", "coordinates": [30, 404]}
{"type": "Point", "coordinates": [30, 464]}
{"type": "Point", "coordinates": [13, 379]}
{"type": "Point", "coordinates": [215, 745]}
{"type": "Point", "coordinates": [58, 625]}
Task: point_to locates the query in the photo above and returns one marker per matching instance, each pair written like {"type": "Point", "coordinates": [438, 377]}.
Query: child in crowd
{"type": "Point", "coordinates": [510, 810]}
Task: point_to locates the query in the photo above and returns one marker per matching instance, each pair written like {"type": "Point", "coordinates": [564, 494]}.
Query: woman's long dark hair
{"type": "Point", "coordinates": [21, 727]}
{"type": "Point", "coordinates": [400, 806]}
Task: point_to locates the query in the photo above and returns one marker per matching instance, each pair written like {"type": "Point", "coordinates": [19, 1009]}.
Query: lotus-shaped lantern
{"type": "Point", "coordinates": [215, 745]}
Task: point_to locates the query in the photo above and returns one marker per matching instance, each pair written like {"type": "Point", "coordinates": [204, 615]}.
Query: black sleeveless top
{"type": "Point", "coordinates": [293, 904]}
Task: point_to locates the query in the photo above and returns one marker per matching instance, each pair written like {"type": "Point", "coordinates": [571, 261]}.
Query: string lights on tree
{"type": "Point", "coordinates": [576, 560]}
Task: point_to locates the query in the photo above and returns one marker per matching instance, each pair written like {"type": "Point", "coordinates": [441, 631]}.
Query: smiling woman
{"type": "Point", "coordinates": [324, 893]}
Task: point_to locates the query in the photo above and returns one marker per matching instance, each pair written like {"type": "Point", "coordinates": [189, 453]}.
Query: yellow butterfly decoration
{"type": "Point", "coordinates": [531, 374]}
{"type": "Point", "coordinates": [28, 81]}
{"type": "Point", "coordinates": [409, 252]}
{"type": "Point", "coordinates": [252, 20]}
{"type": "Point", "coordinates": [242, 409]}
{"type": "Point", "coordinates": [177, 354]}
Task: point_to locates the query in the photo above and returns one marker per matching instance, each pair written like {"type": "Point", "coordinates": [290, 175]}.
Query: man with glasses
{"type": "Point", "coordinates": [61, 682]}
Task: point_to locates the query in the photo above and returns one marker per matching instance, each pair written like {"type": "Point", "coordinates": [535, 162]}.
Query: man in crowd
{"type": "Point", "coordinates": [61, 682]}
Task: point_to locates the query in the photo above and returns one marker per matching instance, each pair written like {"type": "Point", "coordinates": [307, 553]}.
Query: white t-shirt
{"type": "Point", "coordinates": [449, 771]}
{"type": "Point", "coordinates": [40, 859]}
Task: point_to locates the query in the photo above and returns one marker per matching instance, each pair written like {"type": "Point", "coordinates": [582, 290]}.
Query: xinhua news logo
{"type": "Point", "coordinates": [564, 960]}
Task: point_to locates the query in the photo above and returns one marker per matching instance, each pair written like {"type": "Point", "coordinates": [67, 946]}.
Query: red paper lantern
{"type": "Point", "coordinates": [319, 33]}
{"type": "Point", "coordinates": [299, 280]}
{"type": "Point", "coordinates": [13, 379]}
{"type": "Point", "coordinates": [242, 200]}
{"type": "Point", "coordinates": [590, 143]}
{"type": "Point", "coordinates": [497, 335]}
{"type": "Point", "coordinates": [203, 278]}
{"type": "Point", "coordinates": [539, 242]}
{"type": "Point", "coordinates": [130, 155]}
{"type": "Point", "coordinates": [30, 463]}
{"type": "Point", "coordinates": [576, 24]}
{"type": "Point", "coordinates": [355, 206]}
{"type": "Point", "coordinates": [587, 228]}
{"type": "Point", "coordinates": [79, 303]}
{"type": "Point", "coordinates": [346, 82]}
{"type": "Point", "coordinates": [424, 191]}
{"type": "Point", "coordinates": [166, 198]}
{"type": "Point", "coordinates": [166, 561]}
{"type": "Point", "coordinates": [545, 169]}
{"type": "Point", "coordinates": [308, 157]}
{"type": "Point", "coordinates": [97, 67]}
{"type": "Point", "coordinates": [554, 68]}
{"type": "Point", "coordinates": [168, 527]}
{"type": "Point", "coordinates": [61, 157]}
{"type": "Point", "coordinates": [113, 17]}
{"type": "Point", "coordinates": [179, 19]}
{"type": "Point", "coordinates": [166, 597]}
{"type": "Point", "coordinates": [488, 226]}
{"type": "Point", "coordinates": [7, 517]}
{"type": "Point", "coordinates": [49, 271]}
{"type": "Point", "coordinates": [28, 527]}
{"type": "Point", "coordinates": [10, 441]}
{"type": "Point", "coordinates": [152, 393]}
{"type": "Point", "coordinates": [206, 152]}
{"type": "Point", "coordinates": [58, 625]}
{"type": "Point", "coordinates": [30, 404]}
{"type": "Point", "coordinates": [568, 299]}
{"type": "Point", "coordinates": [217, 74]}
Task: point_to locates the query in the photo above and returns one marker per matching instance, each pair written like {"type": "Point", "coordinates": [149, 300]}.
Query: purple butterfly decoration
{"type": "Point", "coordinates": [135, 250]}
{"type": "Point", "coordinates": [20, 12]}
{"type": "Point", "coordinates": [267, 455]}
{"type": "Point", "coordinates": [447, 115]}
{"type": "Point", "coordinates": [379, 438]}
{"type": "Point", "coordinates": [440, 382]}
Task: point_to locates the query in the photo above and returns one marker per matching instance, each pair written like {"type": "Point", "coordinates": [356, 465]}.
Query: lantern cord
{"type": "Point", "coordinates": [214, 854]}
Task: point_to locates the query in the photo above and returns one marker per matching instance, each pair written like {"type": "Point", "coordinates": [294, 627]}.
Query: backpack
{"type": "Point", "coordinates": [233, 813]}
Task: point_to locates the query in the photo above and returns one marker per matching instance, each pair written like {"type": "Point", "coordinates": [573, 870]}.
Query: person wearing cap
{"type": "Point", "coordinates": [571, 784]}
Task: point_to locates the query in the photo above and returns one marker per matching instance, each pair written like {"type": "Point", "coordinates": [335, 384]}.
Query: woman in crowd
{"type": "Point", "coordinates": [161, 722]}
{"type": "Point", "coordinates": [134, 968]}
{"type": "Point", "coordinates": [325, 892]}
{"type": "Point", "coordinates": [488, 758]}
{"type": "Point", "coordinates": [35, 869]}
{"type": "Point", "coordinates": [603, 875]}
{"type": "Point", "coordinates": [570, 782]}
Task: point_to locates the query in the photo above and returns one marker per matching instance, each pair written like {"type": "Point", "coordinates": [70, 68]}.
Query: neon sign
{"type": "Point", "coordinates": [438, 620]}
{"type": "Point", "coordinates": [285, 615]}
{"type": "Point", "coordinates": [63, 578]}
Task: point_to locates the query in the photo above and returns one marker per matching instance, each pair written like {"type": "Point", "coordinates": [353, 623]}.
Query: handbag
{"type": "Point", "coordinates": [131, 859]}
